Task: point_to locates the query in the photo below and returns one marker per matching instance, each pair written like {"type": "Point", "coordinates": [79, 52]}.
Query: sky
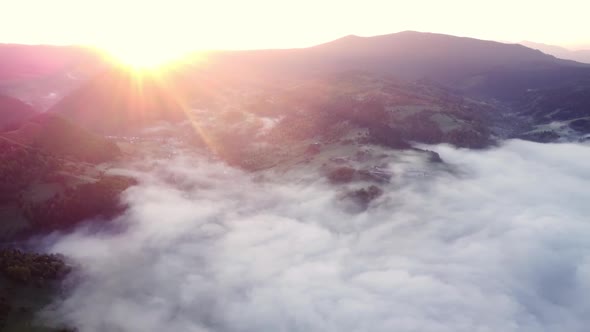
{"type": "Point", "coordinates": [181, 25]}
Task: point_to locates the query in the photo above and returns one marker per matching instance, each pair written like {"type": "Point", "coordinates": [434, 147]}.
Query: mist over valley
{"type": "Point", "coordinates": [403, 182]}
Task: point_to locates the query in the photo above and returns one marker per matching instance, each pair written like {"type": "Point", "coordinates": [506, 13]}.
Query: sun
{"type": "Point", "coordinates": [145, 56]}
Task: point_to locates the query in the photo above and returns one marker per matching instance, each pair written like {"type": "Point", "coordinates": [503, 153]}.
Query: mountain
{"type": "Point", "coordinates": [510, 76]}
{"type": "Point", "coordinates": [120, 102]}
{"type": "Point", "coordinates": [40, 75]}
{"type": "Point", "coordinates": [40, 191]}
{"type": "Point", "coordinates": [13, 112]}
{"type": "Point", "coordinates": [25, 62]}
{"type": "Point", "coordinates": [117, 101]}
{"type": "Point", "coordinates": [50, 176]}
{"type": "Point", "coordinates": [356, 112]}
{"type": "Point", "coordinates": [560, 52]}
{"type": "Point", "coordinates": [560, 113]}
{"type": "Point", "coordinates": [443, 58]}
{"type": "Point", "coordinates": [468, 64]}
{"type": "Point", "coordinates": [59, 137]}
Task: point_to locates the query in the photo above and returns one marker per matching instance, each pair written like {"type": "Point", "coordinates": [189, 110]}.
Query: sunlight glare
{"type": "Point", "coordinates": [145, 56]}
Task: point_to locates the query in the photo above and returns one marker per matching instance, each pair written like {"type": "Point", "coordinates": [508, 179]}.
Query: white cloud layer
{"type": "Point", "coordinates": [502, 243]}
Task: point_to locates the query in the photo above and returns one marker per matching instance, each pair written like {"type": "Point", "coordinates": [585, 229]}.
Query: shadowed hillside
{"type": "Point", "coordinates": [408, 55]}
{"type": "Point", "coordinates": [56, 136]}
{"type": "Point", "coordinates": [13, 113]}
{"type": "Point", "coordinates": [117, 101]}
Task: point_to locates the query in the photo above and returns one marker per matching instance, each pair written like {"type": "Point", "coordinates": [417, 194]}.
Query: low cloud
{"type": "Point", "coordinates": [498, 241]}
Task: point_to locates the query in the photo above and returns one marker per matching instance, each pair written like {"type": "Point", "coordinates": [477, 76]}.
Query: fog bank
{"type": "Point", "coordinates": [500, 242]}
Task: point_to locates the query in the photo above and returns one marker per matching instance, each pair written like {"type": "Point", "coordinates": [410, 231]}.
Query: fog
{"type": "Point", "coordinates": [497, 240]}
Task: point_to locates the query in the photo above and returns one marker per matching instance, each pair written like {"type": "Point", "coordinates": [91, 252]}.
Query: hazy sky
{"type": "Point", "coordinates": [182, 24]}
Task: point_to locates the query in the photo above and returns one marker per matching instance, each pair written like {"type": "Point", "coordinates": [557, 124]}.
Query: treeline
{"type": "Point", "coordinates": [78, 203]}
{"type": "Point", "coordinates": [20, 165]}
{"type": "Point", "coordinates": [29, 281]}
{"type": "Point", "coordinates": [31, 269]}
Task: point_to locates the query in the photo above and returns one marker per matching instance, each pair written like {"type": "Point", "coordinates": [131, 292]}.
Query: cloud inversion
{"type": "Point", "coordinates": [501, 243]}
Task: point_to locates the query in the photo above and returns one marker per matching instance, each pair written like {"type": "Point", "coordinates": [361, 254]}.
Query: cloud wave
{"type": "Point", "coordinates": [500, 242]}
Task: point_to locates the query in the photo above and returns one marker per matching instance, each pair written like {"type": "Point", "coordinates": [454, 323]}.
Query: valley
{"type": "Point", "coordinates": [356, 123]}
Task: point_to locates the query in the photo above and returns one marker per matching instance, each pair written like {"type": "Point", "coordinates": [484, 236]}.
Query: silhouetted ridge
{"type": "Point", "coordinates": [471, 65]}
{"type": "Point", "coordinates": [117, 101]}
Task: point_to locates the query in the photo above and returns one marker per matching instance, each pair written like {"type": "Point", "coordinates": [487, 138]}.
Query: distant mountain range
{"type": "Point", "coordinates": [512, 76]}
{"type": "Point", "coordinates": [70, 122]}
{"type": "Point", "coordinates": [267, 108]}
{"type": "Point", "coordinates": [560, 52]}
{"type": "Point", "coordinates": [477, 67]}
{"type": "Point", "coordinates": [26, 62]}
{"type": "Point", "coordinates": [40, 75]}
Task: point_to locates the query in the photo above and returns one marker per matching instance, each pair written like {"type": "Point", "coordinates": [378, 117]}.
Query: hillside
{"type": "Point", "coordinates": [59, 137]}
{"type": "Point", "coordinates": [42, 192]}
{"type": "Point", "coordinates": [519, 80]}
{"type": "Point", "coordinates": [292, 123]}
{"type": "Point", "coordinates": [454, 61]}
{"type": "Point", "coordinates": [13, 113]}
{"type": "Point", "coordinates": [118, 101]}
{"type": "Point", "coordinates": [121, 102]}
{"type": "Point", "coordinates": [367, 163]}
{"type": "Point", "coordinates": [415, 55]}
{"type": "Point", "coordinates": [49, 177]}
{"type": "Point", "coordinates": [560, 52]}
{"type": "Point", "coordinates": [40, 75]}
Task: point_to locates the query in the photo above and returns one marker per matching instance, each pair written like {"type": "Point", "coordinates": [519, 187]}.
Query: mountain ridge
{"type": "Point", "coordinates": [453, 61]}
{"type": "Point", "coordinates": [582, 55]}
